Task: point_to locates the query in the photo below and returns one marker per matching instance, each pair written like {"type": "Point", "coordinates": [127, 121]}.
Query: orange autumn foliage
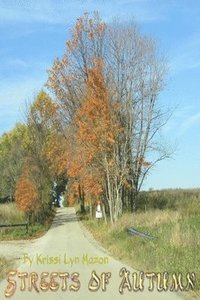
{"type": "Point", "coordinates": [97, 130]}
{"type": "Point", "coordinates": [44, 110]}
{"type": "Point", "coordinates": [56, 152]}
{"type": "Point", "coordinates": [93, 185]}
{"type": "Point", "coordinates": [143, 162]}
{"type": "Point", "coordinates": [76, 163]}
{"type": "Point", "coordinates": [91, 28]}
{"type": "Point", "coordinates": [73, 194]}
{"type": "Point", "coordinates": [26, 194]}
{"type": "Point", "coordinates": [96, 122]}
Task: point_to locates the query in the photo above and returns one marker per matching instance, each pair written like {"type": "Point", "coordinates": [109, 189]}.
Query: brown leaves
{"type": "Point", "coordinates": [67, 78]}
{"type": "Point", "coordinates": [143, 162]}
{"type": "Point", "coordinates": [44, 109]}
{"type": "Point", "coordinates": [96, 134]}
{"type": "Point", "coordinates": [26, 194]}
{"type": "Point", "coordinates": [85, 26]}
{"type": "Point", "coordinates": [57, 155]}
{"type": "Point", "coordinates": [96, 129]}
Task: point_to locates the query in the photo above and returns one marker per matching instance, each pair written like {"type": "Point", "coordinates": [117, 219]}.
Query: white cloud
{"type": "Point", "coordinates": [183, 120]}
{"type": "Point", "coordinates": [53, 12]}
{"type": "Point", "coordinates": [17, 62]}
{"type": "Point", "coordinates": [63, 11]}
{"type": "Point", "coordinates": [187, 56]}
{"type": "Point", "coordinates": [190, 122]}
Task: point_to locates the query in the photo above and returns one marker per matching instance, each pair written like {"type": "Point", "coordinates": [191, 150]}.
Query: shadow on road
{"type": "Point", "coordinates": [63, 218]}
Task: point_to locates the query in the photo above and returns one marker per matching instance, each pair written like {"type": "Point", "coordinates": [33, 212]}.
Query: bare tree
{"type": "Point", "coordinates": [137, 74]}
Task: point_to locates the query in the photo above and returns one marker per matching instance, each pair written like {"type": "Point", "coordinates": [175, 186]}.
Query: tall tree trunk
{"type": "Point", "coordinates": [81, 198]}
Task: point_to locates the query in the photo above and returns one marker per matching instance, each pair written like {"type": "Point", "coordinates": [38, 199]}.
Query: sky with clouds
{"type": "Point", "coordinates": [33, 33]}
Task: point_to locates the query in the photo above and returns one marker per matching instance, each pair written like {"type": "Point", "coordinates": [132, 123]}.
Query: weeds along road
{"type": "Point", "coordinates": [68, 249]}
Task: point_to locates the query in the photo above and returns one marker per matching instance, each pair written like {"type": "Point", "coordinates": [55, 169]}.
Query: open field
{"type": "Point", "coordinates": [10, 214]}
{"type": "Point", "coordinates": [176, 248]}
{"type": "Point", "coordinates": [185, 200]}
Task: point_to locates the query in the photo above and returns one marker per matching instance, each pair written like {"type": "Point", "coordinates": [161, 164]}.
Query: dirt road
{"type": "Point", "coordinates": [68, 248]}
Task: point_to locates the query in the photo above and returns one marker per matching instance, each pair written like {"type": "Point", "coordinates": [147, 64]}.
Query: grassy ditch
{"type": "Point", "coordinates": [10, 215]}
{"type": "Point", "coordinates": [176, 248]}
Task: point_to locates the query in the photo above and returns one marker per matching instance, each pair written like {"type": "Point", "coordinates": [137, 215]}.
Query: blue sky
{"type": "Point", "coordinates": [34, 32]}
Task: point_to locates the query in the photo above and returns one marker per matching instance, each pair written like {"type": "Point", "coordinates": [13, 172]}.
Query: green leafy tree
{"type": "Point", "coordinates": [42, 124]}
{"type": "Point", "coordinates": [12, 155]}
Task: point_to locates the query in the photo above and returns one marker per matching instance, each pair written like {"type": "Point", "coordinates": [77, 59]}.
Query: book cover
{"type": "Point", "coordinates": [99, 150]}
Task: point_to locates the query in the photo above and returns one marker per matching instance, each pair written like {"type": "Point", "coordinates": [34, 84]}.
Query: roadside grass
{"type": "Point", "coordinates": [176, 248]}
{"type": "Point", "coordinates": [176, 199]}
{"type": "Point", "coordinates": [4, 266]}
{"type": "Point", "coordinates": [10, 215]}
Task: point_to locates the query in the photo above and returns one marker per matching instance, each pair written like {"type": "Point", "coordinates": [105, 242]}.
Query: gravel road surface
{"type": "Point", "coordinates": [65, 257]}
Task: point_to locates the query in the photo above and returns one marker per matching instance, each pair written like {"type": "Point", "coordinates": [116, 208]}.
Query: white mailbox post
{"type": "Point", "coordinates": [98, 211]}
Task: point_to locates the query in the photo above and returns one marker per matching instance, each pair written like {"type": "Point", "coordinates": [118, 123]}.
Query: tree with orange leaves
{"type": "Point", "coordinates": [134, 72]}
{"type": "Point", "coordinates": [97, 133]}
{"type": "Point", "coordinates": [26, 194]}
{"type": "Point", "coordinates": [67, 77]}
